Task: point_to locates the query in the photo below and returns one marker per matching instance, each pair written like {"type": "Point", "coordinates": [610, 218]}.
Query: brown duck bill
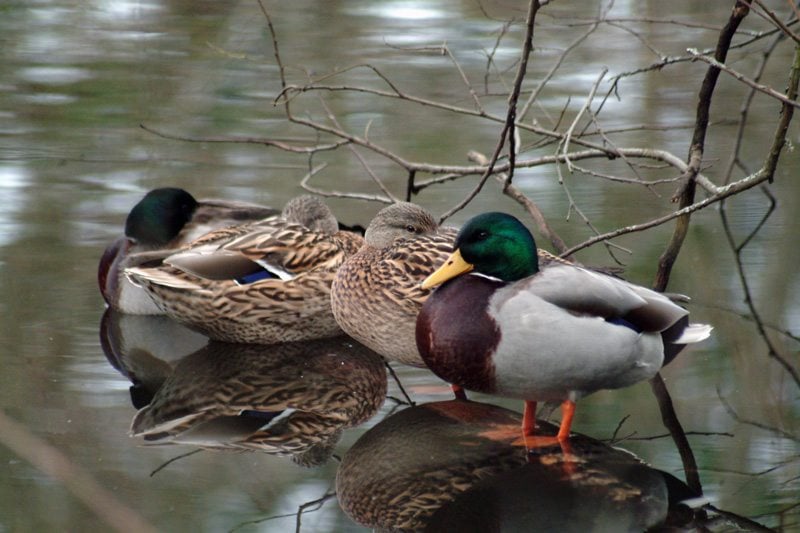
{"type": "Point", "coordinates": [454, 266]}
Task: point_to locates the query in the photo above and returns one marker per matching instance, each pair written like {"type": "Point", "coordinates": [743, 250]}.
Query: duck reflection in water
{"type": "Point", "coordinates": [291, 399]}
{"type": "Point", "coordinates": [444, 466]}
{"type": "Point", "coordinates": [145, 348]}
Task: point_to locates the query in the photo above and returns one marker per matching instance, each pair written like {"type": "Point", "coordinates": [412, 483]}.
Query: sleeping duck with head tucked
{"type": "Point", "coordinates": [500, 324]}
{"type": "Point", "coordinates": [165, 219]}
{"type": "Point", "coordinates": [263, 282]}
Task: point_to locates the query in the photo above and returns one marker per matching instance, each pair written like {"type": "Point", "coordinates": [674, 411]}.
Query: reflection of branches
{"type": "Point", "coordinates": [670, 420]}
{"type": "Point", "coordinates": [616, 439]}
{"type": "Point", "coordinates": [749, 474]}
{"type": "Point", "coordinates": [772, 350]}
{"type": "Point", "coordinates": [744, 523]}
{"type": "Point", "coordinates": [314, 505]}
{"type": "Point", "coordinates": [168, 462]}
{"type": "Point", "coordinates": [75, 479]}
{"type": "Point", "coordinates": [408, 400]}
{"type": "Point", "coordinates": [310, 506]}
{"type": "Point", "coordinates": [754, 423]}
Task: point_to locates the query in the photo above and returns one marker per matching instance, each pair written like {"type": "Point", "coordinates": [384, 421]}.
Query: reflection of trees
{"type": "Point", "coordinates": [585, 140]}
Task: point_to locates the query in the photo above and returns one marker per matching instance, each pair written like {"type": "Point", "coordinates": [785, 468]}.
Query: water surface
{"type": "Point", "coordinates": [78, 80]}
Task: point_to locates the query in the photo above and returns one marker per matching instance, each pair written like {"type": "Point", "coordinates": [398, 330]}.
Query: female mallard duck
{"type": "Point", "coordinates": [166, 218]}
{"type": "Point", "coordinates": [554, 334]}
{"type": "Point", "coordinates": [264, 282]}
{"type": "Point", "coordinates": [376, 294]}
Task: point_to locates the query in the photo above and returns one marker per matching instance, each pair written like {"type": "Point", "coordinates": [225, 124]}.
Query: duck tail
{"type": "Point", "coordinates": [694, 333]}
{"type": "Point", "coordinates": [681, 333]}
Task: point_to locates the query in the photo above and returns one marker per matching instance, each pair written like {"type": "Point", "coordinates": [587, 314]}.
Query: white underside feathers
{"type": "Point", "coordinates": [694, 333]}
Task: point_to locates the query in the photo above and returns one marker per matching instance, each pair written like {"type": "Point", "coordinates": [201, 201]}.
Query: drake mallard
{"type": "Point", "coordinates": [264, 282]}
{"type": "Point", "coordinates": [376, 294]}
{"type": "Point", "coordinates": [166, 218]}
{"type": "Point", "coordinates": [503, 326]}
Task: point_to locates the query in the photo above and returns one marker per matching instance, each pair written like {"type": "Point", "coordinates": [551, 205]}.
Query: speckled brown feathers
{"type": "Point", "coordinates": [172, 219]}
{"type": "Point", "coordinates": [289, 399]}
{"type": "Point", "coordinates": [203, 285]}
{"type": "Point", "coordinates": [266, 311]}
{"type": "Point", "coordinates": [376, 295]}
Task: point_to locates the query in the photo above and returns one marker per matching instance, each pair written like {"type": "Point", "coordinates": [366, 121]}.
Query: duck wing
{"type": "Point", "coordinates": [587, 293]}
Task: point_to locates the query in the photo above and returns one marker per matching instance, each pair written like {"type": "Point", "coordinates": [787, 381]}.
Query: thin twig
{"type": "Point", "coordinates": [338, 194]}
{"type": "Point", "coordinates": [247, 140]}
{"type": "Point", "coordinates": [686, 195]}
{"type": "Point", "coordinates": [586, 105]}
{"type": "Point", "coordinates": [769, 91]}
{"type": "Point", "coordinates": [529, 205]}
{"type": "Point", "coordinates": [509, 126]}
{"type": "Point", "coordinates": [724, 192]}
{"type": "Point", "coordinates": [772, 17]}
{"type": "Point", "coordinates": [168, 462]}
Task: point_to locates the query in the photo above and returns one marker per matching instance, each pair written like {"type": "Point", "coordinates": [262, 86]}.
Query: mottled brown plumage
{"type": "Point", "coordinates": [205, 286]}
{"type": "Point", "coordinates": [165, 219]}
{"type": "Point", "coordinates": [376, 295]}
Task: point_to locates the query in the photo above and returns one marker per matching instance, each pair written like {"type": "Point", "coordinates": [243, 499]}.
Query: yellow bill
{"type": "Point", "coordinates": [454, 266]}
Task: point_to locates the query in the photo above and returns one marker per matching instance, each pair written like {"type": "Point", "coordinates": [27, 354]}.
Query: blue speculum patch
{"type": "Point", "coordinates": [623, 322]}
{"type": "Point", "coordinates": [258, 275]}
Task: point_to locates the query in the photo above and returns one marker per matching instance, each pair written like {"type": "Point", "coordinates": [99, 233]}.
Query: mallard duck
{"type": "Point", "coordinates": [289, 399]}
{"type": "Point", "coordinates": [376, 294]}
{"type": "Point", "coordinates": [264, 282]}
{"type": "Point", "coordinates": [504, 326]}
{"type": "Point", "coordinates": [166, 218]}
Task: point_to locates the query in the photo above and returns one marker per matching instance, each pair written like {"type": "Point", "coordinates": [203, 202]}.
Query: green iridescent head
{"type": "Point", "coordinates": [498, 245]}
{"type": "Point", "coordinates": [160, 216]}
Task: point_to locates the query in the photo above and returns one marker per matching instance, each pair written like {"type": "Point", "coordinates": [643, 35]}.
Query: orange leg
{"type": "Point", "coordinates": [458, 390]}
{"type": "Point", "coordinates": [529, 418]}
{"type": "Point", "coordinates": [567, 413]}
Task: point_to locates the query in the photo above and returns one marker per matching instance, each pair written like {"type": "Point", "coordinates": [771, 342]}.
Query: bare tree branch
{"type": "Point", "coordinates": [744, 79]}
{"type": "Point", "coordinates": [511, 119]}
{"type": "Point", "coordinates": [686, 195]}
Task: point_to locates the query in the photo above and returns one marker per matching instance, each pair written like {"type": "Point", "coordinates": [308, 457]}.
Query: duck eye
{"type": "Point", "coordinates": [482, 235]}
{"type": "Point", "coordinates": [411, 229]}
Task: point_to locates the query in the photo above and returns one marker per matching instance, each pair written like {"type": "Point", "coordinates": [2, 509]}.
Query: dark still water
{"type": "Point", "coordinates": [79, 79]}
